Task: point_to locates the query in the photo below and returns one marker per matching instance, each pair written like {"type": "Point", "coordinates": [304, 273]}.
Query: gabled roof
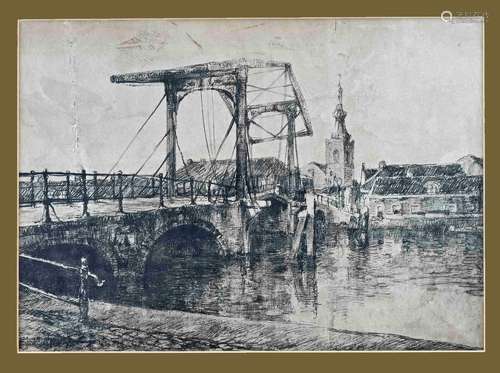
{"type": "Point", "coordinates": [321, 166]}
{"type": "Point", "coordinates": [472, 158]}
{"type": "Point", "coordinates": [411, 179]}
{"type": "Point", "coordinates": [395, 170]}
{"type": "Point", "coordinates": [223, 171]}
{"type": "Point", "coordinates": [369, 172]}
{"type": "Point", "coordinates": [461, 184]}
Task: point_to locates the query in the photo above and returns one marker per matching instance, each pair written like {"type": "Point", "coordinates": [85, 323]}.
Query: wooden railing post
{"type": "Point", "coordinates": [83, 294]}
{"type": "Point", "coordinates": [191, 189]}
{"type": "Point", "coordinates": [209, 191]}
{"type": "Point", "coordinates": [162, 204]}
{"type": "Point", "coordinates": [94, 194]}
{"type": "Point", "coordinates": [68, 192]}
{"type": "Point", "coordinates": [46, 201]}
{"type": "Point", "coordinates": [132, 191]}
{"type": "Point", "coordinates": [120, 191]}
{"type": "Point", "coordinates": [113, 186]}
{"type": "Point", "coordinates": [32, 191]}
{"type": "Point", "coordinates": [85, 197]}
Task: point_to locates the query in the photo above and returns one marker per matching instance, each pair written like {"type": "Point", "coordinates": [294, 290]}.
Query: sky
{"type": "Point", "coordinates": [413, 88]}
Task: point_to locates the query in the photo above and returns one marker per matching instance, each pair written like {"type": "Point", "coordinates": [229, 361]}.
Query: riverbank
{"type": "Point", "coordinates": [51, 325]}
{"type": "Point", "coordinates": [456, 223]}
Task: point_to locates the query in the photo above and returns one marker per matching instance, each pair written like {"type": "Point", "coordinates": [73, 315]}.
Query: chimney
{"type": "Point", "coordinates": [381, 165]}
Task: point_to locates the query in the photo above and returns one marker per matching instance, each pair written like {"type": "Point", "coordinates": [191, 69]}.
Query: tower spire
{"type": "Point", "coordinates": [339, 95]}
{"type": "Point", "coordinates": [339, 114]}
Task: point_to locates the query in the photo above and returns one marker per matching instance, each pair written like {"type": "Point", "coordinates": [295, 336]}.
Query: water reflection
{"type": "Point", "coordinates": [420, 284]}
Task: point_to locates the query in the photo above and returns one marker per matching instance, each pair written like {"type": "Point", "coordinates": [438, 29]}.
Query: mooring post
{"type": "Point", "coordinates": [120, 191]}
{"type": "Point", "coordinates": [311, 252]}
{"type": "Point", "coordinates": [68, 193]}
{"type": "Point", "coordinates": [191, 189]}
{"type": "Point", "coordinates": [85, 197]}
{"type": "Point", "coordinates": [160, 176]}
{"type": "Point", "coordinates": [83, 294]}
{"type": "Point", "coordinates": [32, 191]}
{"type": "Point", "coordinates": [46, 201]}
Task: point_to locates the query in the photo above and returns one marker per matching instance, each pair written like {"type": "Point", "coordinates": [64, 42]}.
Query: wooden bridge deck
{"type": "Point", "coordinates": [29, 215]}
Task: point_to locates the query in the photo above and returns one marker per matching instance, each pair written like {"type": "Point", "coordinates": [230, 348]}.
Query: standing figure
{"type": "Point", "coordinates": [83, 295]}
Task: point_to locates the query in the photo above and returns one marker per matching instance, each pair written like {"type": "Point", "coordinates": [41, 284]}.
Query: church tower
{"type": "Point", "coordinates": [339, 149]}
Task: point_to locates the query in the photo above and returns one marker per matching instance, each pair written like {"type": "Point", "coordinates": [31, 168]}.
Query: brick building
{"type": "Point", "coordinates": [424, 190]}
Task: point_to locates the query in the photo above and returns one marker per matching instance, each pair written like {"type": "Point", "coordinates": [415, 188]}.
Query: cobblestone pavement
{"type": "Point", "coordinates": [52, 325]}
{"type": "Point", "coordinates": [45, 328]}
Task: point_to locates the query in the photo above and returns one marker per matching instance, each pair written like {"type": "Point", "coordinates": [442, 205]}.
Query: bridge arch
{"type": "Point", "coordinates": [181, 221]}
{"type": "Point", "coordinates": [183, 261]}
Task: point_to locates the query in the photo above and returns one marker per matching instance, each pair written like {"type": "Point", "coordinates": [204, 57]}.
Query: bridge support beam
{"type": "Point", "coordinates": [240, 115]}
{"type": "Point", "coordinates": [171, 98]}
{"type": "Point", "coordinates": [291, 114]}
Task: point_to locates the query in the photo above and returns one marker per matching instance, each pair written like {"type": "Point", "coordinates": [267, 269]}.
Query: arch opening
{"type": "Point", "coordinates": [180, 268]}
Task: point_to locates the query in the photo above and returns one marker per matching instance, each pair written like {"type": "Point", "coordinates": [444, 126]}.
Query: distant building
{"type": "Point", "coordinates": [398, 190]}
{"type": "Point", "coordinates": [316, 173]}
{"type": "Point", "coordinates": [337, 171]}
{"type": "Point", "coordinates": [263, 171]}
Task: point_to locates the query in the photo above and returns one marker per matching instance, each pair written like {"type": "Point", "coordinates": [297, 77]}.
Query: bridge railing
{"type": "Point", "coordinates": [49, 188]}
{"type": "Point", "coordinates": [332, 200]}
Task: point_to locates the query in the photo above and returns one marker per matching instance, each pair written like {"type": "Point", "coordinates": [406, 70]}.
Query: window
{"type": "Point", "coordinates": [396, 208]}
{"type": "Point", "coordinates": [452, 207]}
{"type": "Point", "coordinates": [380, 211]}
{"type": "Point", "coordinates": [335, 155]}
{"type": "Point", "coordinates": [431, 187]}
{"type": "Point", "coordinates": [415, 208]}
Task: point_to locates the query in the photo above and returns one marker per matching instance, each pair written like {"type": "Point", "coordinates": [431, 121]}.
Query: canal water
{"type": "Point", "coordinates": [415, 283]}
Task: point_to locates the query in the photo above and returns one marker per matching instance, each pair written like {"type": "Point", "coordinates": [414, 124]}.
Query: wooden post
{"type": "Point", "coordinates": [32, 191]}
{"type": "Point", "coordinates": [209, 191]}
{"type": "Point", "coordinates": [83, 294]}
{"type": "Point", "coordinates": [68, 193]}
{"type": "Point", "coordinates": [161, 190]}
{"type": "Point", "coordinates": [310, 242]}
{"type": "Point", "coordinates": [94, 194]}
{"type": "Point", "coordinates": [152, 186]}
{"type": "Point", "coordinates": [120, 191]}
{"type": "Point", "coordinates": [240, 114]}
{"type": "Point", "coordinates": [113, 186]}
{"type": "Point", "coordinates": [171, 98]}
{"type": "Point", "coordinates": [46, 201]}
{"type": "Point", "coordinates": [191, 189]}
{"type": "Point", "coordinates": [132, 191]}
{"type": "Point", "coordinates": [226, 194]}
{"type": "Point", "coordinates": [291, 114]}
{"type": "Point", "coordinates": [183, 188]}
{"type": "Point", "coordinates": [85, 197]}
